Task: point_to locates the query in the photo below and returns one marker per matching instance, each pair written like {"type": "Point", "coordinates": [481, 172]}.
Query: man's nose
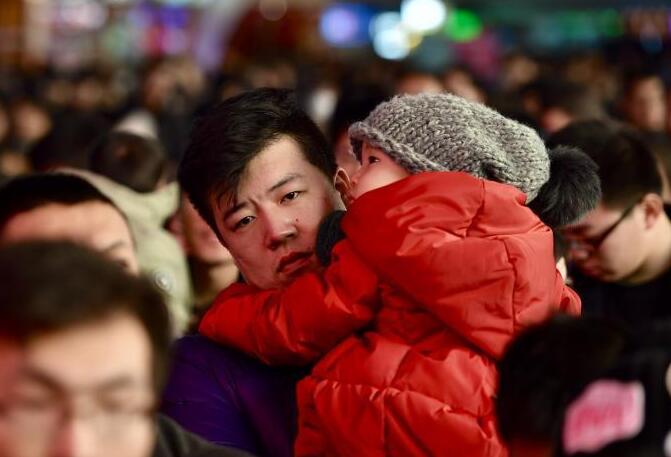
{"type": "Point", "coordinates": [577, 254]}
{"type": "Point", "coordinates": [279, 229]}
{"type": "Point", "coordinates": [76, 438]}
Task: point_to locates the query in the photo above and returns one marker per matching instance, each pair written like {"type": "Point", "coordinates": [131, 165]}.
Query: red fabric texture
{"type": "Point", "coordinates": [438, 273]}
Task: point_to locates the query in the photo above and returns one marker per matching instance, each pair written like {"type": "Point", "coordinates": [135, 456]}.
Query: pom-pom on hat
{"type": "Point", "coordinates": [443, 132]}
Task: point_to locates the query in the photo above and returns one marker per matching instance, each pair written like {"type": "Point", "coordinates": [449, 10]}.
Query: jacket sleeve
{"type": "Point", "coordinates": [419, 238]}
{"type": "Point", "coordinates": [299, 323]}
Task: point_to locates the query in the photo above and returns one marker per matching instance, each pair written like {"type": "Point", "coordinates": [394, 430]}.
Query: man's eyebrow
{"type": "Point", "coordinates": [287, 179]}
{"type": "Point", "coordinates": [238, 206]}
{"type": "Point", "coordinates": [114, 383]}
{"type": "Point", "coordinates": [234, 209]}
{"type": "Point", "coordinates": [574, 229]}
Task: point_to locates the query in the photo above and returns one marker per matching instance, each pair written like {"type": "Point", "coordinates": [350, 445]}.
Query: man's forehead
{"type": "Point", "coordinates": [594, 220]}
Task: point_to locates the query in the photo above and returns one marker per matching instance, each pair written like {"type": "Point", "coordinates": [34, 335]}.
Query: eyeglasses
{"type": "Point", "coordinates": [45, 416]}
{"type": "Point", "coordinates": [592, 244]}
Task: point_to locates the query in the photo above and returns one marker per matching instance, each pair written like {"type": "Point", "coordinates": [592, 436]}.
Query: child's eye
{"type": "Point", "coordinates": [291, 196]}
{"type": "Point", "coordinates": [373, 159]}
{"type": "Point", "coordinates": [245, 221]}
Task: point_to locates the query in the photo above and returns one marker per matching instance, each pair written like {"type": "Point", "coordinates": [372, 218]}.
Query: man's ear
{"type": "Point", "coordinates": [653, 206]}
{"type": "Point", "coordinates": [343, 185]}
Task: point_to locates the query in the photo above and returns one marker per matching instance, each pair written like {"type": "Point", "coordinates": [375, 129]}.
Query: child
{"type": "Point", "coordinates": [437, 274]}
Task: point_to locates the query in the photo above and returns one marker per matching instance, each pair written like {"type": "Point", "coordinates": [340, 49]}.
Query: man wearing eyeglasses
{"type": "Point", "coordinates": [84, 349]}
{"type": "Point", "coordinates": [620, 252]}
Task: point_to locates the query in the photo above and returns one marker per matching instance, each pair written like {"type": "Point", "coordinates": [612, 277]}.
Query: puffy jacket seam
{"type": "Point", "coordinates": [453, 410]}
{"type": "Point", "coordinates": [513, 315]}
{"type": "Point", "coordinates": [479, 210]}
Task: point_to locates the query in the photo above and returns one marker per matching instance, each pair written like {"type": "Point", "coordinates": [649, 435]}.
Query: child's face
{"type": "Point", "coordinates": [377, 170]}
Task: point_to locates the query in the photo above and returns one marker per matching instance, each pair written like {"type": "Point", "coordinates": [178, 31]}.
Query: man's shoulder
{"type": "Point", "coordinates": [646, 300]}
{"type": "Point", "coordinates": [173, 441]}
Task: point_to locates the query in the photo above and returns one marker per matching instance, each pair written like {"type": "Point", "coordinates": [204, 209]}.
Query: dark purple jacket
{"type": "Point", "coordinates": [230, 399]}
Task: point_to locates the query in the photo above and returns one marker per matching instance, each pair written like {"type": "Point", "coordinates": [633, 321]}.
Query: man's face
{"type": "Point", "coordinates": [94, 224]}
{"type": "Point", "coordinates": [270, 227]}
{"type": "Point", "coordinates": [647, 105]}
{"type": "Point", "coordinates": [619, 254]}
{"type": "Point", "coordinates": [85, 391]}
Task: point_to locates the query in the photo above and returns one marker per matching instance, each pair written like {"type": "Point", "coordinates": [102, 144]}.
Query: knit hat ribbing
{"type": "Point", "coordinates": [443, 132]}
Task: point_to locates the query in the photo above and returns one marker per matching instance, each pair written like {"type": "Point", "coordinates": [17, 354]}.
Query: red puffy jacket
{"type": "Point", "coordinates": [437, 274]}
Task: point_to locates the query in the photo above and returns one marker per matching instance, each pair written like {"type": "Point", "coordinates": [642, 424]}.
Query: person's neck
{"type": "Point", "coordinates": [210, 279]}
{"type": "Point", "coordinates": [659, 259]}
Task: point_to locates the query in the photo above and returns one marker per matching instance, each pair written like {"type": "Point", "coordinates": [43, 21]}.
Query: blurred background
{"type": "Point", "coordinates": [153, 64]}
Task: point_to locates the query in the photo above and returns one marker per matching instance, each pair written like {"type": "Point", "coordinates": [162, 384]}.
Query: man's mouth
{"type": "Point", "coordinates": [294, 261]}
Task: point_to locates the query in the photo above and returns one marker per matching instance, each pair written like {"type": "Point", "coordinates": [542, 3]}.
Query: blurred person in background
{"type": "Point", "coordinates": [211, 266]}
{"type": "Point", "coordinates": [12, 162]}
{"type": "Point", "coordinates": [132, 160]}
{"type": "Point", "coordinates": [539, 373]}
{"type": "Point", "coordinates": [644, 102]}
{"type": "Point", "coordinates": [65, 207]}
{"type": "Point", "coordinates": [620, 251]}
{"type": "Point", "coordinates": [355, 102]}
{"type": "Point", "coordinates": [61, 206]}
{"type": "Point", "coordinates": [417, 82]}
{"type": "Point", "coordinates": [460, 81]}
{"type": "Point", "coordinates": [159, 255]}
{"type": "Point", "coordinates": [169, 93]}
{"type": "Point", "coordinates": [84, 350]}
{"type": "Point", "coordinates": [563, 102]}
{"type": "Point", "coordinates": [31, 121]}
{"type": "Point", "coordinates": [69, 142]}
{"type": "Point", "coordinates": [518, 70]}
{"type": "Point", "coordinates": [625, 411]}
{"type": "Point", "coordinates": [660, 145]}
{"type": "Point", "coordinates": [131, 171]}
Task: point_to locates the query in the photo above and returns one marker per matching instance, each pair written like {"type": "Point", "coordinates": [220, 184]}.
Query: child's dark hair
{"type": "Point", "coordinates": [572, 190]}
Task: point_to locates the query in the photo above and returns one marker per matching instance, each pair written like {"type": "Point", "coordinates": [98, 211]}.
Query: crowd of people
{"type": "Point", "coordinates": [377, 261]}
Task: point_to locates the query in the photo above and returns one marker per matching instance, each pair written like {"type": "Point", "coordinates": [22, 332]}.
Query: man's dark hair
{"type": "Point", "coordinates": [129, 159]}
{"type": "Point", "coordinates": [68, 143]}
{"type": "Point", "coordinates": [635, 77]}
{"type": "Point", "coordinates": [54, 286]}
{"type": "Point", "coordinates": [544, 367]}
{"type": "Point", "coordinates": [575, 99]}
{"type": "Point", "coordinates": [230, 135]}
{"type": "Point", "coordinates": [355, 103]}
{"type": "Point", "coordinates": [627, 167]}
{"type": "Point", "coordinates": [25, 193]}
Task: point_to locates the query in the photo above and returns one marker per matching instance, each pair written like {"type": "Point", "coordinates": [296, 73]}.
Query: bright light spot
{"type": "Point", "coordinates": [392, 44]}
{"type": "Point", "coordinates": [423, 15]}
{"type": "Point", "coordinates": [273, 10]}
{"type": "Point", "coordinates": [384, 21]}
{"type": "Point", "coordinates": [390, 40]}
{"type": "Point", "coordinates": [340, 26]}
{"type": "Point", "coordinates": [83, 15]}
{"type": "Point", "coordinates": [463, 26]}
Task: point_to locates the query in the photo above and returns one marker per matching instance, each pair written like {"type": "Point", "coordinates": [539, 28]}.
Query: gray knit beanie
{"type": "Point", "coordinates": [443, 132]}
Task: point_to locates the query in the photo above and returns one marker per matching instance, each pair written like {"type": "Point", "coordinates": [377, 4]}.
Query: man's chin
{"type": "Point", "coordinates": [601, 274]}
{"type": "Point", "coordinates": [286, 278]}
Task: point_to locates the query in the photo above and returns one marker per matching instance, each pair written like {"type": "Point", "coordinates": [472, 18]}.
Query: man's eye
{"type": "Point", "coordinates": [245, 221]}
{"type": "Point", "coordinates": [291, 196]}
{"type": "Point", "coordinates": [373, 159]}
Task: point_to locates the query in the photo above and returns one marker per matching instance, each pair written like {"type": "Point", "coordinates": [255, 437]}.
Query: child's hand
{"type": "Point", "coordinates": [344, 186]}
{"type": "Point", "coordinates": [328, 235]}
